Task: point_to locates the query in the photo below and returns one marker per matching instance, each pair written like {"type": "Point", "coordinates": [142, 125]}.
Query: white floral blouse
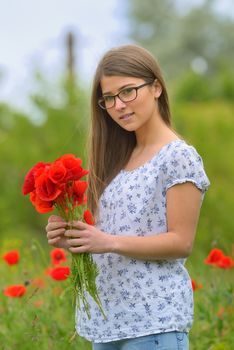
{"type": "Point", "coordinates": [143, 297]}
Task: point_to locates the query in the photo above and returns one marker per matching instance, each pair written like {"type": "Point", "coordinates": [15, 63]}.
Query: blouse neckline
{"type": "Point", "coordinates": [151, 159]}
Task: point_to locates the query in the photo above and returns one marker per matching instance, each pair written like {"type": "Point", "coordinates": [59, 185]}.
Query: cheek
{"type": "Point", "coordinates": [145, 108]}
{"type": "Point", "coordinates": [112, 115]}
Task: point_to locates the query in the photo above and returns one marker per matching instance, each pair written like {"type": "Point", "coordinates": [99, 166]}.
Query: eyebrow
{"type": "Point", "coordinates": [122, 87]}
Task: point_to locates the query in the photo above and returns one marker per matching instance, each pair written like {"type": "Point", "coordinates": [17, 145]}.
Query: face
{"type": "Point", "coordinates": [134, 114]}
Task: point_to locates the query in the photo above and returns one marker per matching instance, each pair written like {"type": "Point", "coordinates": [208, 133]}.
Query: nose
{"type": "Point", "coordinates": [119, 104]}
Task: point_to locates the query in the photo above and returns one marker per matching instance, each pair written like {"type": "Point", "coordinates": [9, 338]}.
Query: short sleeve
{"type": "Point", "coordinates": [184, 164]}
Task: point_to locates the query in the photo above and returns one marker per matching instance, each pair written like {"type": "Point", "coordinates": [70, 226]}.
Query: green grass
{"type": "Point", "coordinates": [209, 127]}
{"type": "Point", "coordinates": [214, 307]}
{"type": "Point", "coordinates": [44, 317]}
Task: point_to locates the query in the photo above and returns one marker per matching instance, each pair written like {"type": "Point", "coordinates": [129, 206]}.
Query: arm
{"type": "Point", "coordinates": [183, 207]}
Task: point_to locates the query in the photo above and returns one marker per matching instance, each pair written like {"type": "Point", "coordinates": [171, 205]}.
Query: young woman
{"type": "Point", "coordinates": [146, 187]}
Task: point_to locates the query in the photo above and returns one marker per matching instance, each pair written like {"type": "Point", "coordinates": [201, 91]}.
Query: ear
{"type": "Point", "coordinates": [157, 88]}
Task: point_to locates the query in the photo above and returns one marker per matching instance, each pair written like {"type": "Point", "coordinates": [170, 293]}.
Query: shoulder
{"type": "Point", "coordinates": [180, 162]}
{"type": "Point", "coordinates": [180, 149]}
{"type": "Point", "coordinates": [178, 152]}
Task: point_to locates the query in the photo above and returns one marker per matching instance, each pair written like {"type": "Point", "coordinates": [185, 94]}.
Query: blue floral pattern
{"type": "Point", "coordinates": [143, 297]}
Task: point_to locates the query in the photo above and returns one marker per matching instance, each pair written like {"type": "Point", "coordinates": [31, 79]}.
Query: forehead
{"type": "Point", "coordinates": [111, 84]}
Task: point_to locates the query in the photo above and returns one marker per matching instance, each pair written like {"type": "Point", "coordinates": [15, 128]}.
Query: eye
{"type": "Point", "coordinates": [108, 98]}
{"type": "Point", "coordinates": [127, 91]}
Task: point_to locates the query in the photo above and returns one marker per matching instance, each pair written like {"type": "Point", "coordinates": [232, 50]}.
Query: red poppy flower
{"type": "Point", "coordinates": [46, 189]}
{"type": "Point", "coordinates": [15, 291]}
{"type": "Point", "coordinates": [225, 262]}
{"type": "Point", "coordinates": [12, 257]}
{"type": "Point", "coordinates": [73, 167]}
{"type": "Point", "coordinates": [60, 273]}
{"type": "Point", "coordinates": [214, 256]}
{"type": "Point", "coordinates": [57, 172]}
{"type": "Point", "coordinates": [195, 286]}
{"type": "Point", "coordinates": [78, 191]}
{"type": "Point", "coordinates": [88, 218]}
{"type": "Point", "coordinates": [29, 180]}
{"type": "Point", "coordinates": [217, 258]}
{"type": "Point", "coordinates": [40, 205]}
{"type": "Point", "coordinates": [57, 256]}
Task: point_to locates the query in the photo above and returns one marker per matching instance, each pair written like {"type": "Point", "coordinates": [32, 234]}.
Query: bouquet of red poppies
{"type": "Point", "coordinates": [58, 185]}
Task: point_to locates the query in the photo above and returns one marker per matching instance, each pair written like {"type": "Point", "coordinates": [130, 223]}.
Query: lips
{"type": "Point", "coordinates": [126, 116]}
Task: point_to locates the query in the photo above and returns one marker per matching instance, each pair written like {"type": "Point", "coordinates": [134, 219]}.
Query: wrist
{"type": "Point", "coordinates": [114, 244]}
{"type": "Point", "coordinates": [111, 243]}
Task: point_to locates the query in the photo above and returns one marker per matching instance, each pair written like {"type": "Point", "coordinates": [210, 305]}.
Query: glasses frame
{"type": "Point", "coordinates": [136, 88]}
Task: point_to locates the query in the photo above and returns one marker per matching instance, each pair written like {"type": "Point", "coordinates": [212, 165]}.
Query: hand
{"type": "Point", "coordinates": [55, 232]}
{"type": "Point", "coordinates": [84, 238]}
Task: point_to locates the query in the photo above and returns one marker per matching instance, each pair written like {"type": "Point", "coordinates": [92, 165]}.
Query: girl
{"type": "Point", "coordinates": [146, 187]}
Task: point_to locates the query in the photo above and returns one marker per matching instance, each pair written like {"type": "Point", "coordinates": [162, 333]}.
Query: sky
{"type": "Point", "coordinates": [32, 36]}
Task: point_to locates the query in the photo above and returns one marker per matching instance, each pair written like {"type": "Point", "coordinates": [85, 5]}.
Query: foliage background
{"type": "Point", "coordinates": [195, 50]}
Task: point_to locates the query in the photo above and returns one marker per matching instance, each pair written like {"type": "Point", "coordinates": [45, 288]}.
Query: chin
{"type": "Point", "coordinates": [128, 127]}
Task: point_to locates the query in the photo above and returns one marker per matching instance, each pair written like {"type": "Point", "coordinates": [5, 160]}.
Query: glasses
{"type": "Point", "coordinates": [126, 95]}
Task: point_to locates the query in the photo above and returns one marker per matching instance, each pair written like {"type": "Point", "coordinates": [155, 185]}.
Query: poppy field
{"type": "Point", "coordinates": [36, 306]}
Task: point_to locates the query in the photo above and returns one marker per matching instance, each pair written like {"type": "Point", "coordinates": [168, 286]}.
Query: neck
{"type": "Point", "coordinates": [156, 132]}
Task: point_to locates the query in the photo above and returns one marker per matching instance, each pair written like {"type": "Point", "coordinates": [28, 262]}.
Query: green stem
{"type": "Point", "coordinates": [83, 269]}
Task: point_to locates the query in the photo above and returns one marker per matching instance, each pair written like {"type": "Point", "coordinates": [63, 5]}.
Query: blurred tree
{"type": "Point", "coordinates": [61, 128]}
{"type": "Point", "coordinates": [197, 39]}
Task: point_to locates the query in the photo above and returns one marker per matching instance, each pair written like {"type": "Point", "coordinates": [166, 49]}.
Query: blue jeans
{"type": "Point", "coordinates": [162, 341]}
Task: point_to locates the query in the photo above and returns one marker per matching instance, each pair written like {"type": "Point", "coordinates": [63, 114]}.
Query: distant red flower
{"type": "Point", "coordinates": [88, 217]}
{"type": "Point", "coordinates": [57, 256]}
{"type": "Point", "coordinates": [38, 282]}
{"type": "Point", "coordinates": [12, 257]}
{"type": "Point", "coordinates": [15, 291]}
{"type": "Point", "coordinates": [47, 271]}
{"type": "Point", "coordinates": [38, 303]}
{"type": "Point", "coordinates": [221, 312]}
{"type": "Point", "coordinates": [59, 273]}
{"type": "Point", "coordinates": [195, 286]}
{"type": "Point", "coordinates": [217, 258]}
{"type": "Point", "coordinates": [214, 256]}
{"type": "Point", "coordinates": [226, 262]}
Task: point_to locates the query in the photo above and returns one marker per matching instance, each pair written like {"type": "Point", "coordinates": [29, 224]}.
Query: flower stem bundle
{"type": "Point", "coordinates": [59, 185]}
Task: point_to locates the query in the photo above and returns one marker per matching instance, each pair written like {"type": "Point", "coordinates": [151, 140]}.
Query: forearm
{"type": "Point", "coordinates": [167, 245]}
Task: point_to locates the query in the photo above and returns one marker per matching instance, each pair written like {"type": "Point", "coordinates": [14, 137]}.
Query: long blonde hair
{"type": "Point", "coordinates": [110, 146]}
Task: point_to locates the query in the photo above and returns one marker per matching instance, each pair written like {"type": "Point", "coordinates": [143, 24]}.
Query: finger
{"type": "Point", "coordinates": [55, 225]}
{"type": "Point", "coordinates": [76, 242]}
{"type": "Point", "coordinates": [81, 249]}
{"type": "Point", "coordinates": [55, 233]}
{"type": "Point", "coordinates": [75, 233]}
{"type": "Point", "coordinates": [53, 241]}
{"type": "Point", "coordinates": [79, 224]}
{"type": "Point", "coordinates": [54, 218]}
